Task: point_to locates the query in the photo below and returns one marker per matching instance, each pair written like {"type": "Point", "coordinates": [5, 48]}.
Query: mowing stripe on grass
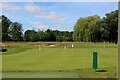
{"type": "Point", "coordinates": [40, 75]}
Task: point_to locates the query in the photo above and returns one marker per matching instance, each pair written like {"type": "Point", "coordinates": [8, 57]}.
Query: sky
{"type": "Point", "coordinates": [53, 15]}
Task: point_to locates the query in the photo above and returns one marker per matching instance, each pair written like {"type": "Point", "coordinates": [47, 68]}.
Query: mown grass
{"type": "Point", "coordinates": [27, 57]}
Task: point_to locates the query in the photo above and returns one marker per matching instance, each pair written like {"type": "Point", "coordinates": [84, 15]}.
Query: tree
{"type": "Point", "coordinates": [70, 36]}
{"type": "Point", "coordinates": [40, 36]}
{"type": "Point", "coordinates": [94, 25]}
{"type": "Point", "coordinates": [87, 29]}
{"type": "Point", "coordinates": [59, 38]}
{"type": "Point", "coordinates": [16, 31]}
{"type": "Point", "coordinates": [5, 23]}
{"type": "Point", "coordinates": [50, 35]}
{"type": "Point", "coordinates": [111, 25]}
{"type": "Point", "coordinates": [30, 35]}
{"type": "Point", "coordinates": [104, 31]}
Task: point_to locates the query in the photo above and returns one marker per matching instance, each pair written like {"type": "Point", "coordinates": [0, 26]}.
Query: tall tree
{"type": "Point", "coordinates": [5, 23]}
{"type": "Point", "coordinates": [111, 25]}
{"type": "Point", "coordinates": [87, 29]}
{"type": "Point", "coordinates": [16, 31]}
{"type": "Point", "coordinates": [94, 25]}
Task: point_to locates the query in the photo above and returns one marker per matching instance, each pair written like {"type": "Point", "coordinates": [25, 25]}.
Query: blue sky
{"type": "Point", "coordinates": [54, 15]}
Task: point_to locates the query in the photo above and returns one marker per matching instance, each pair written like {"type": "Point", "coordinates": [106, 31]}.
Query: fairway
{"type": "Point", "coordinates": [77, 61]}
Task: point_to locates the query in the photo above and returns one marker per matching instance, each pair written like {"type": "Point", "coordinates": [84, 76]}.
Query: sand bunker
{"type": "Point", "coordinates": [51, 45]}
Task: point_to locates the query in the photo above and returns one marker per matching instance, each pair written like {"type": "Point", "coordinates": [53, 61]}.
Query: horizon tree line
{"type": "Point", "coordinates": [86, 29]}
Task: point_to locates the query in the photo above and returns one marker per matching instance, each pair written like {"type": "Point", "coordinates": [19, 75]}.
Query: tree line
{"type": "Point", "coordinates": [48, 35]}
{"type": "Point", "coordinates": [96, 29]}
{"type": "Point", "coordinates": [12, 31]}
{"type": "Point", "coordinates": [86, 29]}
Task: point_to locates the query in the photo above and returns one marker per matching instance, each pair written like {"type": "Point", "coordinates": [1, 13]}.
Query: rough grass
{"type": "Point", "coordinates": [27, 57]}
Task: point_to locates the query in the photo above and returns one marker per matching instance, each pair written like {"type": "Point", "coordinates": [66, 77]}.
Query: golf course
{"type": "Point", "coordinates": [59, 40]}
{"type": "Point", "coordinates": [52, 60]}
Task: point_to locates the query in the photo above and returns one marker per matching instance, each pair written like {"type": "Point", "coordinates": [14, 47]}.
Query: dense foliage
{"type": "Point", "coordinates": [96, 29]}
{"type": "Point", "coordinates": [5, 22]}
{"type": "Point", "coordinates": [12, 31]}
{"type": "Point", "coordinates": [48, 35]}
{"type": "Point", "coordinates": [87, 29]}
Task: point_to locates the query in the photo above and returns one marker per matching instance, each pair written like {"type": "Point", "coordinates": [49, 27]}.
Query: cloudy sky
{"type": "Point", "coordinates": [53, 15]}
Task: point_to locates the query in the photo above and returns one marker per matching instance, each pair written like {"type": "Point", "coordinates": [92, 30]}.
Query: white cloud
{"type": "Point", "coordinates": [50, 16]}
{"type": "Point", "coordinates": [9, 7]}
{"type": "Point", "coordinates": [39, 25]}
{"type": "Point", "coordinates": [42, 13]}
{"type": "Point", "coordinates": [33, 8]}
{"type": "Point", "coordinates": [38, 11]}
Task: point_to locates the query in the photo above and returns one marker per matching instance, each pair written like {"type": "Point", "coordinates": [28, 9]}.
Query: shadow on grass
{"type": "Point", "coordinates": [14, 51]}
{"type": "Point", "coordinates": [101, 70]}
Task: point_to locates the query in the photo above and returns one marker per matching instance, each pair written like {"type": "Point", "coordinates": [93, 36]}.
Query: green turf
{"type": "Point", "coordinates": [41, 75]}
{"type": "Point", "coordinates": [26, 57]}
